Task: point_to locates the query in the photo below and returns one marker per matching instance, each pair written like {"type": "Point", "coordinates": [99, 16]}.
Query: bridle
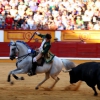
{"type": "Point", "coordinates": [14, 53]}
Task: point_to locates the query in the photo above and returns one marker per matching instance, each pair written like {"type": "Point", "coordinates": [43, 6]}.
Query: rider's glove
{"type": "Point", "coordinates": [34, 59]}
{"type": "Point", "coordinates": [37, 33]}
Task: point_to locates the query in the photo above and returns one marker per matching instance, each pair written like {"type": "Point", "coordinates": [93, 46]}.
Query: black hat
{"type": "Point", "coordinates": [48, 36]}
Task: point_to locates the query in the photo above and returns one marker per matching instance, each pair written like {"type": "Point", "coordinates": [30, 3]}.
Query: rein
{"type": "Point", "coordinates": [22, 59]}
{"type": "Point", "coordinates": [23, 56]}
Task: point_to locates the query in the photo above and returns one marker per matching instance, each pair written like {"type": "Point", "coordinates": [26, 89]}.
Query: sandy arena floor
{"type": "Point", "coordinates": [25, 89]}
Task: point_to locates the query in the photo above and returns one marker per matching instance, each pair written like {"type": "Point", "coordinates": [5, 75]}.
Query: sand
{"type": "Point", "coordinates": [25, 89]}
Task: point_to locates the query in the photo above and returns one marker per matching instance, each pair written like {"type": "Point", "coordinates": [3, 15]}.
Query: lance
{"type": "Point", "coordinates": [31, 37]}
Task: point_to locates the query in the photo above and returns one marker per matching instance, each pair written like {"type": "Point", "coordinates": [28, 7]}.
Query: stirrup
{"type": "Point", "coordinates": [29, 74]}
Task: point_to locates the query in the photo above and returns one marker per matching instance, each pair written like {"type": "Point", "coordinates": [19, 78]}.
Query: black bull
{"type": "Point", "coordinates": [88, 72]}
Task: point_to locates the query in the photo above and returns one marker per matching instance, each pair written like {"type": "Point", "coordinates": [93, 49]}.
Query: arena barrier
{"type": "Point", "coordinates": [88, 36]}
{"type": "Point", "coordinates": [76, 45]}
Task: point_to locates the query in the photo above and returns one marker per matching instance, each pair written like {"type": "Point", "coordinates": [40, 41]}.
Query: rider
{"type": "Point", "coordinates": [44, 50]}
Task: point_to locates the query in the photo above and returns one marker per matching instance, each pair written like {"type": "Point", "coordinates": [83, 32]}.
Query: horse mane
{"type": "Point", "coordinates": [23, 43]}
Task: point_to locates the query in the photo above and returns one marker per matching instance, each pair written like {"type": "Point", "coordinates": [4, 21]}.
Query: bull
{"type": "Point", "coordinates": [88, 72]}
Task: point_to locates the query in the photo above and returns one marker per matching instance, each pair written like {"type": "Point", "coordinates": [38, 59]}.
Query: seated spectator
{"type": "Point", "coordinates": [13, 3]}
{"type": "Point", "coordinates": [52, 26]}
{"type": "Point", "coordinates": [20, 21]}
{"type": "Point", "coordinates": [21, 12]}
{"type": "Point", "coordinates": [5, 2]}
{"type": "Point", "coordinates": [30, 22]}
{"type": "Point", "coordinates": [86, 19]}
{"type": "Point", "coordinates": [15, 26]}
{"type": "Point", "coordinates": [7, 8]}
{"type": "Point", "coordinates": [39, 26]}
{"type": "Point", "coordinates": [34, 27]}
{"type": "Point", "coordinates": [3, 25]}
{"type": "Point", "coordinates": [97, 26]}
{"type": "Point", "coordinates": [33, 5]}
{"type": "Point", "coordinates": [24, 26]}
{"type": "Point", "coordinates": [9, 21]}
{"type": "Point", "coordinates": [2, 18]}
{"type": "Point", "coordinates": [79, 20]}
{"type": "Point", "coordinates": [45, 27]}
{"type": "Point", "coordinates": [17, 17]}
{"type": "Point", "coordinates": [22, 6]}
{"type": "Point", "coordinates": [36, 16]}
{"type": "Point", "coordinates": [29, 12]}
{"type": "Point", "coordinates": [1, 8]}
{"type": "Point", "coordinates": [90, 26]}
{"type": "Point", "coordinates": [53, 13]}
{"type": "Point", "coordinates": [61, 26]}
{"type": "Point", "coordinates": [13, 11]}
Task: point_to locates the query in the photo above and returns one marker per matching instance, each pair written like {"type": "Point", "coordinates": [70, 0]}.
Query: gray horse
{"type": "Point", "coordinates": [24, 64]}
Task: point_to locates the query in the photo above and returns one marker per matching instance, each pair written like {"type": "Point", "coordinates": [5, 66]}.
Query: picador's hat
{"type": "Point", "coordinates": [48, 36]}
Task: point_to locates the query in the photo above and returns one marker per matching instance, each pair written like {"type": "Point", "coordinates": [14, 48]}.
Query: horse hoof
{"type": "Point", "coordinates": [36, 88]}
{"type": "Point", "coordinates": [8, 80]}
{"type": "Point", "coordinates": [96, 94]}
{"type": "Point", "coordinates": [22, 78]}
{"type": "Point", "coordinates": [29, 74]}
{"type": "Point", "coordinates": [11, 83]}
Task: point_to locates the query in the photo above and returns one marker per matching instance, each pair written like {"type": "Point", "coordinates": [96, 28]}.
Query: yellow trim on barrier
{"type": "Point", "coordinates": [24, 35]}
{"type": "Point", "coordinates": [88, 36]}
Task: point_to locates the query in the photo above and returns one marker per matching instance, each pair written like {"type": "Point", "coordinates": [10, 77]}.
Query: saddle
{"type": "Point", "coordinates": [41, 61]}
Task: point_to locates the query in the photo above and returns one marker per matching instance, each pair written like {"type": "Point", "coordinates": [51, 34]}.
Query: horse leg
{"type": "Point", "coordinates": [46, 78]}
{"type": "Point", "coordinates": [17, 78]}
{"type": "Point", "coordinates": [56, 80]}
{"type": "Point", "coordinates": [16, 71]}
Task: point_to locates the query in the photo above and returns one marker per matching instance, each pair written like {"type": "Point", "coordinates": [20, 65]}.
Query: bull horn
{"type": "Point", "coordinates": [65, 71]}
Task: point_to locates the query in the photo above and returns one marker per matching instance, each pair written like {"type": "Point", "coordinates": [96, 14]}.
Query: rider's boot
{"type": "Point", "coordinates": [33, 70]}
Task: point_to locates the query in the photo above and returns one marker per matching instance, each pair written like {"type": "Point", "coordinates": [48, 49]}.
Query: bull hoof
{"type": "Point", "coordinates": [11, 83]}
{"type": "Point", "coordinates": [36, 88]}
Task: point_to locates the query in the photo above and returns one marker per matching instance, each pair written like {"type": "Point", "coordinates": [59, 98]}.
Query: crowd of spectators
{"type": "Point", "coordinates": [50, 14]}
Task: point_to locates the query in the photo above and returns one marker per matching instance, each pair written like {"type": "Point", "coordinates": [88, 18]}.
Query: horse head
{"type": "Point", "coordinates": [18, 48]}
{"type": "Point", "coordinates": [13, 50]}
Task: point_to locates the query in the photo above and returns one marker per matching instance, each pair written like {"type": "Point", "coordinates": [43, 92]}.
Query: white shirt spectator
{"type": "Point", "coordinates": [13, 3]}
{"type": "Point", "coordinates": [5, 2]}
{"type": "Point", "coordinates": [30, 22]}
{"type": "Point", "coordinates": [51, 2]}
{"type": "Point", "coordinates": [86, 18]}
{"type": "Point", "coordinates": [34, 27]}
{"type": "Point", "coordinates": [65, 3]}
{"type": "Point", "coordinates": [89, 12]}
{"type": "Point", "coordinates": [97, 3]}
{"type": "Point", "coordinates": [24, 26]}
{"type": "Point", "coordinates": [36, 16]}
{"type": "Point", "coordinates": [32, 2]}
{"type": "Point", "coordinates": [96, 27]}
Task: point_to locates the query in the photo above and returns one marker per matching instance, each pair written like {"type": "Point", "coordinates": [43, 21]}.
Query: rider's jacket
{"type": "Point", "coordinates": [46, 50]}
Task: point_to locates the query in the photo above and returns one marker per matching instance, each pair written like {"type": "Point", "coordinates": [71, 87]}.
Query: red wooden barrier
{"type": "Point", "coordinates": [62, 49]}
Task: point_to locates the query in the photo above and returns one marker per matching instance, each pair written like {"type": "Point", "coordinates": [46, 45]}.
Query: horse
{"type": "Point", "coordinates": [19, 50]}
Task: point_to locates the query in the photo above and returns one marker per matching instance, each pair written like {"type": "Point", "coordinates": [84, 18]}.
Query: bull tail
{"type": "Point", "coordinates": [68, 65]}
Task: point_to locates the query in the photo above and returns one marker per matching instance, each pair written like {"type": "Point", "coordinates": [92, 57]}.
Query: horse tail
{"type": "Point", "coordinates": [68, 65]}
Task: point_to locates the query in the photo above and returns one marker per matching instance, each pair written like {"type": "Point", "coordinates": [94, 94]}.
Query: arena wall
{"type": "Point", "coordinates": [71, 45]}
